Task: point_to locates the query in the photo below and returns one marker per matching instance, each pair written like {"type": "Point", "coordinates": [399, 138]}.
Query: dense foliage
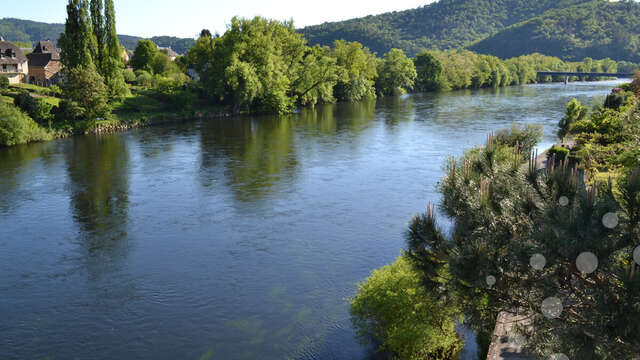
{"type": "Point", "coordinates": [392, 307]}
{"type": "Point", "coordinates": [507, 216]}
{"type": "Point", "coordinates": [38, 109]}
{"type": "Point", "coordinates": [18, 128]}
{"type": "Point", "coordinates": [608, 137]}
{"type": "Point", "coordinates": [264, 65]}
{"type": "Point", "coordinates": [597, 29]}
{"type": "Point", "coordinates": [396, 73]}
{"type": "Point", "coordinates": [358, 71]}
{"type": "Point", "coordinates": [85, 95]}
{"type": "Point", "coordinates": [445, 24]}
{"type": "Point", "coordinates": [144, 55]}
{"type": "Point", "coordinates": [17, 30]}
{"type": "Point", "coordinates": [461, 69]}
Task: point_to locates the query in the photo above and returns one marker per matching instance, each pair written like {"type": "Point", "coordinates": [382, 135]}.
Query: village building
{"type": "Point", "coordinates": [169, 52]}
{"type": "Point", "coordinates": [44, 64]}
{"type": "Point", "coordinates": [13, 63]}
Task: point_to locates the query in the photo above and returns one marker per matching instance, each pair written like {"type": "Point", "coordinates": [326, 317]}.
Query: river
{"type": "Point", "coordinates": [230, 238]}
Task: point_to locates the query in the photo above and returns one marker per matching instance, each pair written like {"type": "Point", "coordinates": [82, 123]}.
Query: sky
{"type": "Point", "coordinates": [185, 18]}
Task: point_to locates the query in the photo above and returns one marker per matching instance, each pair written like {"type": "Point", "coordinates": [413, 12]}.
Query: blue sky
{"type": "Point", "coordinates": [185, 18]}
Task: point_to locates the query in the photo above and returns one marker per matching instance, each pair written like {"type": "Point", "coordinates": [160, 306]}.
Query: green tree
{"type": "Point", "coordinates": [357, 68]}
{"type": "Point", "coordinates": [506, 218]}
{"type": "Point", "coordinates": [254, 65]}
{"type": "Point", "coordinates": [113, 66]}
{"type": "Point", "coordinates": [76, 42]}
{"type": "Point", "coordinates": [394, 308]}
{"type": "Point", "coordinates": [143, 55]}
{"type": "Point", "coordinates": [317, 77]}
{"type": "Point", "coordinates": [429, 72]}
{"type": "Point", "coordinates": [86, 93]}
{"type": "Point", "coordinates": [397, 73]}
{"type": "Point", "coordinates": [4, 82]}
{"type": "Point", "coordinates": [97, 24]}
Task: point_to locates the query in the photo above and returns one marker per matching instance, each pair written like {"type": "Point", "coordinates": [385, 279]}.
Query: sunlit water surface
{"type": "Point", "coordinates": [233, 238]}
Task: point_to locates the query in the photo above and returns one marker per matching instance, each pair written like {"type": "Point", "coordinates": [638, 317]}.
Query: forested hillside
{"type": "Point", "coordinates": [598, 29]}
{"type": "Point", "coordinates": [445, 24]}
{"type": "Point", "coordinates": [33, 31]}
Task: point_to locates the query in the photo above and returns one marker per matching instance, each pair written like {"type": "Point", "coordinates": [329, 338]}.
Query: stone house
{"type": "Point", "coordinates": [13, 63]}
{"type": "Point", "coordinates": [169, 52]}
{"type": "Point", "coordinates": [44, 64]}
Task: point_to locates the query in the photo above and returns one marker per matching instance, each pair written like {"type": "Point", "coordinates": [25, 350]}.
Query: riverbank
{"type": "Point", "coordinates": [141, 110]}
{"type": "Point", "coordinates": [130, 121]}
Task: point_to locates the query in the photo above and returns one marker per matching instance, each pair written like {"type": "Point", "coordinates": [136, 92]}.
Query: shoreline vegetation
{"type": "Point", "coordinates": [557, 242]}
{"type": "Point", "coordinates": [258, 66]}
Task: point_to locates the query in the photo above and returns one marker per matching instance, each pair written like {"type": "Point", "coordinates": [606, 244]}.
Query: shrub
{"type": "Point", "coordinates": [635, 84]}
{"type": "Point", "coordinates": [559, 152]}
{"type": "Point", "coordinates": [18, 128]}
{"type": "Point", "coordinates": [144, 79]}
{"type": "Point", "coordinates": [129, 76]}
{"type": "Point", "coordinates": [4, 82]}
{"type": "Point", "coordinates": [55, 90]}
{"type": "Point", "coordinates": [117, 86]}
{"type": "Point", "coordinates": [162, 64]}
{"type": "Point", "coordinates": [615, 101]}
{"type": "Point", "coordinates": [37, 109]}
{"type": "Point", "coordinates": [392, 307]}
{"type": "Point", "coordinates": [525, 138]}
{"type": "Point", "coordinates": [26, 102]}
{"type": "Point", "coordinates": [574, 114]}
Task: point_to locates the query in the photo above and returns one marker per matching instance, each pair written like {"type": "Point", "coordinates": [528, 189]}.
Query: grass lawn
{"type": "Point", "coordinates": [34, 88]}
{"type": "Point", "coordinates": [50, 100]}
{"type": "Point", "coordinates": [6, 99]}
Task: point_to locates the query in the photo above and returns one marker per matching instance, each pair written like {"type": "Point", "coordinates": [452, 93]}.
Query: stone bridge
{"type": "Point", "coordinates": [584, 74]}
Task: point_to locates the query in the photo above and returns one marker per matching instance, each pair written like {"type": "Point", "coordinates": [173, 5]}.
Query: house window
{"type": "Point", "coordinates": [4, 68]}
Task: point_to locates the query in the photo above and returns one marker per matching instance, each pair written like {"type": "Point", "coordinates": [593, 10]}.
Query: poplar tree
{"type": "Point", "coordinates": [98, 27]}
{"type": "Point", "coordinates": [113, 65]}
{"type": "Point", "coordinates": [76, 40]}
{"type": "Point", "coordinates": [113, 45]}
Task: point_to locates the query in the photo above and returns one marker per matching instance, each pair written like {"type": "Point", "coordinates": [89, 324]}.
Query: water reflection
{"type": "Point", "coordinates": [98, 173]}
{"type": "Point", "coordinates": [257, 155]}
{"type": "Point", "coordinates": [18, 166]}
{"type": "Point", "coordinates": [397, 110]}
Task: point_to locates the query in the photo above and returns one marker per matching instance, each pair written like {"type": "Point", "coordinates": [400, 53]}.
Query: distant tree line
{"type": "Point", "coordinates": [462, 69]}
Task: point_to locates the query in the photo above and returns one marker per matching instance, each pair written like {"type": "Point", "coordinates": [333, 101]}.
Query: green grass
{"type": "Point", "coordinates": [6, 99]}
{"type": "Point", "coordinates": [50, 100]}
{"type": "Point", "coordinates": [139, 103]}
{"type": "Point", "coordinates": [34, 89]}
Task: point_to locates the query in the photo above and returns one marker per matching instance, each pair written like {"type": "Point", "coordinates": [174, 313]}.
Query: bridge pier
{"type": "Point", "coordinates": [566, 79]}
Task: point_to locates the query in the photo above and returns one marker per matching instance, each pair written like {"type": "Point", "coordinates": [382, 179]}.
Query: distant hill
{"type": "Point", "coordinates": [33, 31]}
{"type": "Point", "coordinates": [445, 24]}
{"type": "Point", "coordinates": [598, 29]}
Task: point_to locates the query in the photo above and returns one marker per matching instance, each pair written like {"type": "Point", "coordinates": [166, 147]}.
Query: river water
{"type": "Point", "coordinates": [232, 238]}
